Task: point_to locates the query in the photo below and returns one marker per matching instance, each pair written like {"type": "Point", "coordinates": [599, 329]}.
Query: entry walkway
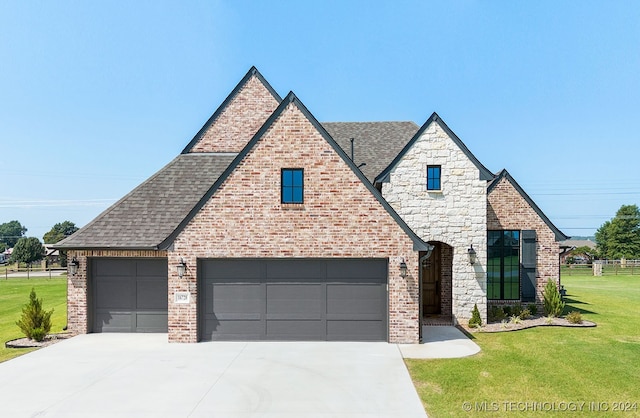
{"type": "Point", "coordinates": [440, 342]}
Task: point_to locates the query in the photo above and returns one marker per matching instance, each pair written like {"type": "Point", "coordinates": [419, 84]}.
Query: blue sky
{"type": "Point", "coordinates": [97, 96]}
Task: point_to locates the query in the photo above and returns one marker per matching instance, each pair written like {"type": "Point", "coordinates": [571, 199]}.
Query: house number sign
{"type": "Point", "coordinates": [181, 297]}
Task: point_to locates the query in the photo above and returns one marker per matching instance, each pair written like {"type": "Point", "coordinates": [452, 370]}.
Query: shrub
{"type": "Point", "coordinates": [525, 314]}
{"type": "Point", "coordinates": [533, 308]}
{"type": "Point", "coordinates": [496, 314]}
{"type": "Point", "coordinates": [515, 319]}
{"type": "Point", "coordinates": [507, 310]}
{"type": "Point", "coordinates": [553, 304]}
{"type": "Point", "coordinates": [548, 320]}
{"type": "Point", "coordinates": [476, 320]}
{"type": "Point", "coordinates": [574, 317]}
{"type": "Point", "coordinates": [35, 322]}
{"type": "Point", "coordinates": [516, 309]}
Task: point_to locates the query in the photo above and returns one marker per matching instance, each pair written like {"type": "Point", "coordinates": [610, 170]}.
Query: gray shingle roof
{"type": "Point", "coordinates": [375, 143]}
{"type": "Point", "coordinates": [152, 211]}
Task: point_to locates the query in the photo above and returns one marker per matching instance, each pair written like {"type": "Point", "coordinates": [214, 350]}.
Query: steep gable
{"type": "Point", "coordinates": [509, 206]}
{"type": "Point", "coordinates": [339, 201]}
{"type": "Point", "coordinates": [238, 118]}
{"type": "Point", "coordinates": [484, 173]}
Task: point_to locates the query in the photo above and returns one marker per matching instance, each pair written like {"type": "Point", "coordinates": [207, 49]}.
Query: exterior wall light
{"type": "Point", "coordinates": [181, 267]}
{"type": "Point", "coordinates": [403, 269]}
{"type": "Point", "coordinates": [73, 266]}
{"type": "Point", "coordinates": [473, 257]}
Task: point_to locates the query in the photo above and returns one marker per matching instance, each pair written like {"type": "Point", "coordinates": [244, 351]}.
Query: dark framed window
{"type": "Point", "coordinates": [292, 185]}
{"type": "Point", "coordinates": [434, 178]}
{"type": "Point", "coordinates": [503, 265]}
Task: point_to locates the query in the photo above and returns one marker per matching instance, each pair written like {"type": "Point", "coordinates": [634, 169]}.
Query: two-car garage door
{"type": "Point", "coordinates": [293, 299]}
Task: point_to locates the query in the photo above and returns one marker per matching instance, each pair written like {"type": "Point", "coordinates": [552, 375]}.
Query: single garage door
{"type": "Point", "coordinates": [129, 295]}
{"type": "Point", "coordinates": [293, 299]}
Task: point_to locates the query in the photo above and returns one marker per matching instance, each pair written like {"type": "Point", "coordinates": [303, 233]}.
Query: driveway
{"type": "Point", "coordinates": [141, 375]}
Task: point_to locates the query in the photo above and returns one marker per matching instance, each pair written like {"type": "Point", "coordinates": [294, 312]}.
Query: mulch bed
{"type": "Point", "coordinates": [538, 321]}
{"type": "Point", "coordinates": [27, 343]}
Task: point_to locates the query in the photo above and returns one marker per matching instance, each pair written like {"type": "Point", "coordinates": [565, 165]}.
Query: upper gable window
{"type": "Point", "coordinates": [292, 185]}
{"type": "Point", "coordinates": [434, 178]}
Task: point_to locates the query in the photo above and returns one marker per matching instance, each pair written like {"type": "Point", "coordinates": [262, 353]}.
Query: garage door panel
{"type": "Point", "coordinates": [152, 294]}
{"type": "Point", "coordinates": [234, 298]}
{"type": "Point", "coordinates": [371, 269]}
{"type": "Point", "coordinates": [113, 321]}
{"type": "Point", "coordinates": [295, 269]}
{"type": "Point", "coordinates": [151, 268]}
{"type": "Point", "coordinates": [115, 268]}
{"type": "Point", "coordinates": [312, 330]}
{"type": "Point", "coordinates": [355, 298]}
{"type": "Point", "coordinates": [151, 321]}
{"type": "Point", "coordinates": [114, 294]}
{"type": "Point", "coordinates": [359, 330]}
{"type": "Point", "coordinates": [294, 299]}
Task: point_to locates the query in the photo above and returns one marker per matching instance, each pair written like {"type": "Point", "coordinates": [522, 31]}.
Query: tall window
{"type": "Point", "coordinates": [433, 177]}
{"type": "Point", "coordinates": [503, 265]}
{"type": "Point", "coordinates": [292, 185]}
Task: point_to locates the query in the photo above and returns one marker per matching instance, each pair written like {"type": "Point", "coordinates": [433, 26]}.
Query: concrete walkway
{"type": "Point", "coordinates": [440, 342]}
{"type": "Point", "coordinates": [142, 375]}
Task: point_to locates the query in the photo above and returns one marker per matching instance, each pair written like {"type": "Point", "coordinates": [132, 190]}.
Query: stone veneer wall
{"type": "Point", "coordinates": [339, 218]}
{"type": "Point", "coordinates": [507, 209]}
{"type": "Point", "coordinates": [240, 120]}
{"type": "Point", "coordinates": [77, 285]}
{"type": "Point", "coordinates": [455, 216]}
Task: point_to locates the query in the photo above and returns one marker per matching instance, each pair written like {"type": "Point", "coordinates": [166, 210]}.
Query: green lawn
{"type": "Point", "coordinates": [14, 294]}
{"type": "Point", "coordinates": [548, 367]}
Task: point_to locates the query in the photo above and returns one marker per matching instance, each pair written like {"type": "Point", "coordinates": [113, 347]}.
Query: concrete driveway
{"type": "Point", "coordinates": [141, 375]}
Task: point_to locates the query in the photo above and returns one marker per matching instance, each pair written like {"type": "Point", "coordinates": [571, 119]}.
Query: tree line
{"type": "Point", "coordinates": [30, 249]}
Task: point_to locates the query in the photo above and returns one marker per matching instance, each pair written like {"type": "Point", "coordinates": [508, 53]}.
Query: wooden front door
{"type": "Point", "coordinates": [431, 283]}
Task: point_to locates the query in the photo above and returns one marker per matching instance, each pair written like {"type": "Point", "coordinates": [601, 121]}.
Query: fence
{"type": "Point", "coordinates": [33, 272]}
{"type": "Point", "coordinates": [608, 268]}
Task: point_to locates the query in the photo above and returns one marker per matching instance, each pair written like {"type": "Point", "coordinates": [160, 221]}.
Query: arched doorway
{"type": "Point", "coordinates": [436, 274]}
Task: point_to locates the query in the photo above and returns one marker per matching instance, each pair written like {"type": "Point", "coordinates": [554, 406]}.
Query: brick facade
{"type": "Point", "coordinates": [340, 217]}
{"type": "Point", "coordinates": [77, 307]}
{"type": "Point", "coordinates": [455, 216]}
{"type": "Point", "coordinates": [239, 120]}
{"type": "Point", "coordinates": [507, 209]}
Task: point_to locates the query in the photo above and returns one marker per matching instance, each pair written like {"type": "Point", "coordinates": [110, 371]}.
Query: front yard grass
{"type": "Point", "coordinates": [14, 294]}
{"type": "Point", "coordinates": [518, 373]}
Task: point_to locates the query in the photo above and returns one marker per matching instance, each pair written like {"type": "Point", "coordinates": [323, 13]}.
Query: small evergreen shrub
{"type": "Point", "coordinates": [496, 314]}
{"type": "Point", "coordinates": [525, 314]}
{"type": "Point", "coordinates": [553, 304]}
{"type": "Point", "coordinates": [574, 317]}
{"type": "Point", "coordinates": [476, 320]}
{"type": "Point", "coordinates": [35, 322]}
{"type": "Point", "coordinates": [507, 310]}
{"type": "Point", "coordinates": [533, 308]}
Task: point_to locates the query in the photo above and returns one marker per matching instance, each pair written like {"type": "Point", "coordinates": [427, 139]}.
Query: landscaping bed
{"type": "Point", "coordinates": [27, 343]}
{"type": "Point", "coordinates": [538, 321]}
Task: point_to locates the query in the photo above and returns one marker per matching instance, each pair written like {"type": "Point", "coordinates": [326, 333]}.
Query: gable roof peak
{"type": "Point", "coordinates": [253, 72]}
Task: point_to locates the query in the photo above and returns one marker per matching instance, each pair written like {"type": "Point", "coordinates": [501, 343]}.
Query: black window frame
{"type": "Point", "coordinates": [430, 178]}
{"type": "Point", "coordinates": [504, 254]}
{"type": "Point", "coordinates": [293, 187]}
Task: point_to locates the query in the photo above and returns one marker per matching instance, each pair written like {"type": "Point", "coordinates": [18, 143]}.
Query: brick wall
{"type": "Point", "coordinates": [339, 218]}
{"type": "Point", "coordinates": [455, 216]}
{"type": "Point", "coordinates": [507, 209]}
{"type": "Point", "coordinates": [240, 120]}
{"type": "Point", "coordinates": [77, 285]}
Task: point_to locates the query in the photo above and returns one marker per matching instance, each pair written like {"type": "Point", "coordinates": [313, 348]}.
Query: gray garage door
{"type": "Point", "coordinates": [129, 295]}
{"type": "Point", "coordinates": [293, 299]}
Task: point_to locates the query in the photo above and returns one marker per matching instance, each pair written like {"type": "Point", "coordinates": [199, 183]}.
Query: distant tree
{"type": "Point", "coordinates": [3, 247]}
{"type": "Point", "coordinates": [59, 232]}
{"type": "Point", "coordinates": [11, 232]}
{"type": "Point", "coordinates": [620, 237]}
{"type": "Point", "coordinates": [27, 250]}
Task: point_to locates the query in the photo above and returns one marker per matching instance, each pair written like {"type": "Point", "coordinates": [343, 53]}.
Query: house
{"type": "Point", "coordinates": [271, 225]}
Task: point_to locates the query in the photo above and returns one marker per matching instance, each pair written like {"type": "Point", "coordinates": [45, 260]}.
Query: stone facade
{"type": "Point", "coordinates": [508, 209]}
{"type": "Point", "coordinates": [456, 215]}
{"type": "Point", "coordinates": [77, 307]}
{"type": "Point", "coordinates": [340, 217]}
